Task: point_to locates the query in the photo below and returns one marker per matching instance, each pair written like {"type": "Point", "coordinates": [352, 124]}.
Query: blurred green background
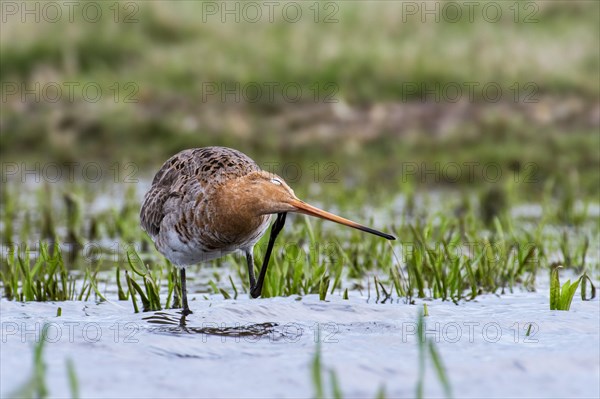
{"type": "Point", "coordinates": [369, 94]}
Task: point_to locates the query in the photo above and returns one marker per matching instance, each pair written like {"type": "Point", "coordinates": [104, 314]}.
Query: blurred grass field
{"type": "Point", "coordinates": [387, 71]}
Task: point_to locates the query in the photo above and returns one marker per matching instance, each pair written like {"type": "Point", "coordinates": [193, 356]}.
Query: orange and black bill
{"type": "Point", "coordinates": [310, 210]}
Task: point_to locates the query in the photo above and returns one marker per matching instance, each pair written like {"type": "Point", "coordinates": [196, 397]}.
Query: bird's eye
{"type": "Point", "coordinates": [276, 181]}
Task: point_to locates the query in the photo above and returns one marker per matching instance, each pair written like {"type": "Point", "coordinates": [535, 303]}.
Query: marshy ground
{"type": "Point", "coordinates": [486, 288]}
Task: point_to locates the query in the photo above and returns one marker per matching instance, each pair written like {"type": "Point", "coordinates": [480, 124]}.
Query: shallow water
{"type": "Point", "coordinates": [264, 347]}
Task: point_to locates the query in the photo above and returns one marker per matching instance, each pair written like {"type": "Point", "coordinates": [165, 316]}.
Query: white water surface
{"type": "Point", "coordinates": [482, 343]}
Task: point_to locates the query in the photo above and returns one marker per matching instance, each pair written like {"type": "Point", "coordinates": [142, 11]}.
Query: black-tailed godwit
{"type": "Point", "coordinates": [208, 202]}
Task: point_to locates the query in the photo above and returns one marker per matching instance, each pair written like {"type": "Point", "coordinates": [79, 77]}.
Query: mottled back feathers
{"type": "Point", "coordinates": [187, 177]}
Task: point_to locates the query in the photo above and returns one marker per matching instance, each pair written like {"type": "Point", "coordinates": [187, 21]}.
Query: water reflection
{"type": "Point", "coordinates": [178, 324]}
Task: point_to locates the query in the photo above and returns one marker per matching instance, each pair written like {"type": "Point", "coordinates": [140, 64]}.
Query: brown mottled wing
{"type": "Point", "coordinates": [186, 175]}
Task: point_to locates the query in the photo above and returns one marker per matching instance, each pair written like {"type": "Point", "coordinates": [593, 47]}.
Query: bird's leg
{"type": "Point", "coordinates": [182, 322]}
{"type": "Point", "coordinates": [250, 260]}
{"type": "Point", "coordinates": [186, 309]}
{"type": "Point", "coordinates": [256, 289]}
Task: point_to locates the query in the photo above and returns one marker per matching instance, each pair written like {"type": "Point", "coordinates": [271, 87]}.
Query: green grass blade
{"type": "Point", "coordinates": [73, 381]}
{"type": "Point", "coordinates": [316, 369]}
{"type": "Point", "coordinates": [570, 293]}
{"type": "Point", "coordinates": [554, 289]}
{"type": "Point", "coordinates": [132, 253]}
{"type": "Point", "coordinates": [138, 289]}
{"type": "Point", "coordinates": [584, 281]}
{"type": "Point", "coordinates": [224, 293]}
{"type": "Point", "coordinates": [336, 391]}
{"type": "Point", "coordinates": [380, 392]}
{"type": "Point", "coordinates": [235, 291]}
{"type": "Point", "coordinates": [440, 369]}
{"type": "Point", "coordinates": [323, 286]}
{"type": "Point", "coordinates": [121, 294]}
{"type": "Point", "coordinates": [564, 293]}
{"type": "Point", "coordinates": [421, 348]}
{"type": "Point", "coordinates": [93, 281]}
{"type": "Point", "coordinates": [152, 291]}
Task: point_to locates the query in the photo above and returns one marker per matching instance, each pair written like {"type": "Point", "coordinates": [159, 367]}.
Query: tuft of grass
{"type": "Point", "coordinates": [150, 295]}
{"type": "Point", "coordinates": [43, 279]}
{"type": "Point", "coordinates": [562, 296]}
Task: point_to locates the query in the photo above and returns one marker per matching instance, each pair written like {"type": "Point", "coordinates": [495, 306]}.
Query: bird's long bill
{"type": "Point", "coordinates": [310, 210]}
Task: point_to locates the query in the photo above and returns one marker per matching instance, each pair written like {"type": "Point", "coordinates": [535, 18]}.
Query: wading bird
{"type": "Point", "coordinates": [208, 202]}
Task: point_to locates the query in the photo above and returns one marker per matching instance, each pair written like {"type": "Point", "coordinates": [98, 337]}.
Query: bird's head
{"type": "Point", "coordinates": [266, 193]}
{"type": "Point", "coordinates": [269, 192]}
